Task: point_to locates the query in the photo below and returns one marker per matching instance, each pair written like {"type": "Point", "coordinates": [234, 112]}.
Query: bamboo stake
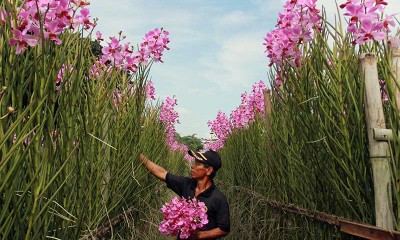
{"type": "Point", "coordinates": [378, 150]}
{"type": "Point", "coordinates": [381, 134]}
{"type": "Point", "coordinates": [348, 226]}
{"type": "Point", "coordinates": [106, 227]}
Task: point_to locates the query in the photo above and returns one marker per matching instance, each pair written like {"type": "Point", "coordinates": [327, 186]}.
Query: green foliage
{"type": "Point", "coordinates": [191, 141]}
{"type": "Point", "coordinates": [313, 150]}
{"type": "Point", "coordinates": [68, 157]}
{"type": "Point", "coordinates": [96, 48]}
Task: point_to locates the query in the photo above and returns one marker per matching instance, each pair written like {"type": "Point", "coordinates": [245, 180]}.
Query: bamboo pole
{"type": "Point", "coordinates": [378, 150]}
{"type": "Point", "coordinates": [346, 225]}
{"type": "Point", "coordinates": [381, 134]}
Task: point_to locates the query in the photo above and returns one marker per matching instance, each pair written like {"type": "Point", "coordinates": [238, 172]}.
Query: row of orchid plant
{"type": "Point", "coordinates": [252, 104]}
{"type": "Point", "coordinates": [70, 121]}
{"type": "Point", "coordinates": [313, 153]}
{"type": "Point", "coordinates": [38, 21]}
{"type": "Point", "coordinates": [42, 20]}
{"type": "Point", "coordinates": [298, 24]}
{"type": "Point", "coordinates": [169, 117]}
{"type": "Point", "coordinates": [301, 21]}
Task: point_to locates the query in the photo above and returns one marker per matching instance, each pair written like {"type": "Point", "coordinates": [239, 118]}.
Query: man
{"type": "Point", "coordinates": [201, 185]}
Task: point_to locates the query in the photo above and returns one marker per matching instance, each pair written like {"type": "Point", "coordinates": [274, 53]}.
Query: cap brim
{"type": "Point", "coordinates": [198, 156]}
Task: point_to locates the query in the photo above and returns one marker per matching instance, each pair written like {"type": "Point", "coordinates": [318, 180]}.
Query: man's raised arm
{"type": "Point", "coordinates": [154, 168]}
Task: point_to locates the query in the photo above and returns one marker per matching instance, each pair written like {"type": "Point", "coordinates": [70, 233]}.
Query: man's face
{"type": "Point", "coordinates": [199, 169]}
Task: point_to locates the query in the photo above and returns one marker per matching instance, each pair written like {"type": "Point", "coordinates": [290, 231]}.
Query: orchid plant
{"type": "Point", "coordinates": [169, 117]}
{"type": "Point", "coordinates": [62, 139]}
{"type": "Point", "coordinates": [183, 217]}
{"type": "Point", "coordinates": [252, 104]}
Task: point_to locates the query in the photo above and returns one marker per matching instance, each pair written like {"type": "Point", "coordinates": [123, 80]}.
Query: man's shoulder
{"type": "Point", "coordinates": [218, 193]}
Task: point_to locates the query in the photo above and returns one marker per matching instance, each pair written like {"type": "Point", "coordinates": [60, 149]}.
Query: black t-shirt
{"type": "Point", "coordinates": [214, 199]}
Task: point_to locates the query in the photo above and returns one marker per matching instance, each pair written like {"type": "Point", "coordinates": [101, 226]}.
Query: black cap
{"type": "Point", "coordinates": [209, 157]}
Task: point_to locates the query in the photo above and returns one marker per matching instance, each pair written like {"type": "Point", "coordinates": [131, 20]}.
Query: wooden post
{"type": "Point", "coordinates": [378, 150]}
{"type": "Point", "coordinates": [396, 73]}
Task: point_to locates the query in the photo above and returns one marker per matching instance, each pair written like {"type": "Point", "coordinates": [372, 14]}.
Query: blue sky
{"type": "Point", "coordinates": [216, 53]}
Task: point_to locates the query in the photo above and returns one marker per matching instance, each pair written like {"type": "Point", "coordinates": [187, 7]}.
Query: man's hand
{"type": "Point", "coordinates": [143, 158]}
{"type": "Point", "coordinates": [213, 233]}
{"type": "Point", "coordinates": [194, 236]}
{"type": "Point", "coordinates": [155, 169]}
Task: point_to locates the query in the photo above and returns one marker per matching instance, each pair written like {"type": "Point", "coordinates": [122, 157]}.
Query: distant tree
{"type": "Point", "coordinates": [96, 48]}
{"type": "Point", "coordinates": [191, 141]}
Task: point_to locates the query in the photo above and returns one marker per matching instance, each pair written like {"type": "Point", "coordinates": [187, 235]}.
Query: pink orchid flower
{"type": "Point", "coordinates": [21, 40]}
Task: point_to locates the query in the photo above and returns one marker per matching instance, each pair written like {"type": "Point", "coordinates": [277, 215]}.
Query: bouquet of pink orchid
{"type": "Point", "coordinates": [183, 216]}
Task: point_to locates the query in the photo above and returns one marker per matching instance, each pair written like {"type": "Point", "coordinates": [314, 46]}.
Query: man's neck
{"type": "Point", "coordinates": [204, 183]}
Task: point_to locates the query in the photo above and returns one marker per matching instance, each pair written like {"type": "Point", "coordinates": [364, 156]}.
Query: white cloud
{"type": "Point", "coordinates": [135, 18]}
{"type": "Point", "coordinates": [271, 6]}
{"type": "Point", "coordinates": [236, 19]}
{"type": "Point", "coordinates": [238, 62]}
{"type": "Point", "coordinates": [216, 48]}
{"type": "Point", "coordinates": [181, 110]}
